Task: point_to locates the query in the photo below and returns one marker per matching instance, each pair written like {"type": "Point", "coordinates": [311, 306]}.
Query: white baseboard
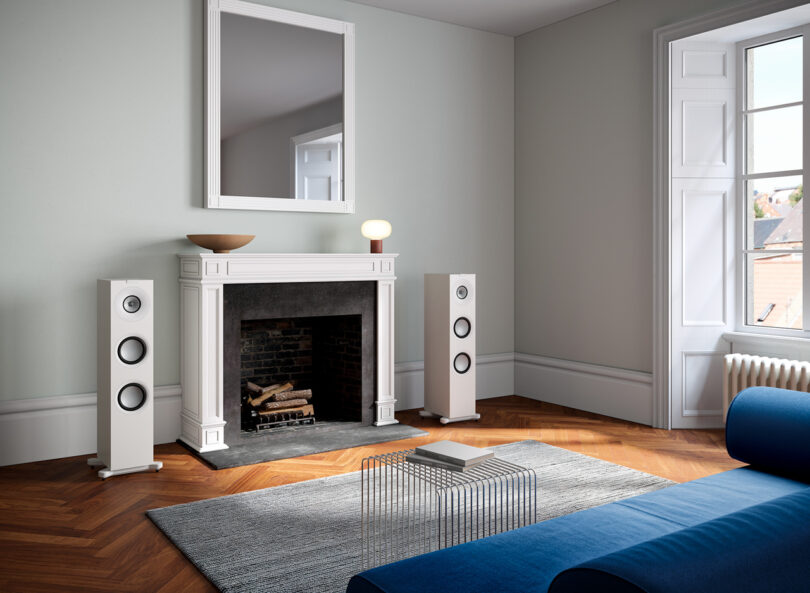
{"type": "Point", "coordinates": [494, 374]}
{"type": "Point", "coordinates": [594, 388]}
{"type": "Point", "coordinates": [65, 425]}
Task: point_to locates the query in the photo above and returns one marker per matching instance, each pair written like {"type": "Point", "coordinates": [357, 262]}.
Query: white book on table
{"type": "Point", "coordinates": [454, 453]}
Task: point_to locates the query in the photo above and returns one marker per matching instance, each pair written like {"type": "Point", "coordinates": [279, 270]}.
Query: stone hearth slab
{"type": "Point", "coordinates": [295, 443]}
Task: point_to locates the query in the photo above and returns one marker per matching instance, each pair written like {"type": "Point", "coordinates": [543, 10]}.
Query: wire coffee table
{"type": "Point", "coordinates": [409, 508]}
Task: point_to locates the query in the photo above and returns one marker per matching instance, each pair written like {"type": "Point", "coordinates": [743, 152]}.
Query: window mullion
{"type": "Point", "coordinates": [741, 280]}
{"type": "Point", "coordinates": [806, 167]}
{"type": "Point", "coordinates": [772, 107]}
{"type": "Point", "coordinates": [769, 174]}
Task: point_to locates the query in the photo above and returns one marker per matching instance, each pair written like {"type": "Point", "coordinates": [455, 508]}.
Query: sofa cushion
{"type": "Point", "coordinates": [713, 496]}
{"type": "Point", "coordinates": [768, 428]}
{"type": "Point", "coordinates": [527, 559]}
{"type": "Point", "coordinates": [760, 549]}
{"type": "Point", "coordinates": [521, 561]}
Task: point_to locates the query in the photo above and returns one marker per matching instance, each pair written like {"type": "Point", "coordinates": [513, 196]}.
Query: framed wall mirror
{"type": "Point", "coordinates": [279, 109]}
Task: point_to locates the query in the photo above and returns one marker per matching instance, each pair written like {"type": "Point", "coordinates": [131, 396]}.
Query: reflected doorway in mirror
{"type": "Point", "coordinates": [316, 171]}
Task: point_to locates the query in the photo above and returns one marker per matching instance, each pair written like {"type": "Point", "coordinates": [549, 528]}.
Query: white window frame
{"type": "Point", "coordinates": [741, 248]}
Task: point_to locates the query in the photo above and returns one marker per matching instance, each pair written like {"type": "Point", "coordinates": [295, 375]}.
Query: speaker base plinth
{"type": "Point", "coordinates": [107, 472]}
{"type": "Point", "coordinates": [446, 420]}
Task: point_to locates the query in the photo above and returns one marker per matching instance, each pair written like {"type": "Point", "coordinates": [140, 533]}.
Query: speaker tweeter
{"type": "Point", "coordinates": [132, 303]}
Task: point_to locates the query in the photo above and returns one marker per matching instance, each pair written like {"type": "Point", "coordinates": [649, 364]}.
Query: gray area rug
{"type": "Point", "coordinates": [287, 444]}
{"type": "Point", "coordinates": [304, 537]}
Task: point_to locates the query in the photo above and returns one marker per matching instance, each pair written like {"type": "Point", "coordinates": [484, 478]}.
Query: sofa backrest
{"type": "Point", "coordinates": [760, 549]}
{"type": "Point", "coordinates": [769, 428]}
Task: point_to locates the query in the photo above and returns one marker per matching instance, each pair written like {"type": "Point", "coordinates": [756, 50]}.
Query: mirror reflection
{"type": "Point", "coordinates": [281, 110]}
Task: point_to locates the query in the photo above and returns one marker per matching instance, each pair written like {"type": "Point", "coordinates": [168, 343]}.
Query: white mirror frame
{"type": "Point", "coordinates": [213, 199]}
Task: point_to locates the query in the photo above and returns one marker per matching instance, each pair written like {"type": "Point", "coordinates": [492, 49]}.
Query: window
{"type": "Point", "coordinates": [772, 162]}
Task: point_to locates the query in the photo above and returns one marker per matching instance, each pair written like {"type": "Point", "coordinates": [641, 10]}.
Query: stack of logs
{"type": "Point", "coordinates": [278, 405]}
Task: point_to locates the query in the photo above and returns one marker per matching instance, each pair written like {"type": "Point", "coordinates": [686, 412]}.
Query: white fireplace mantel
{"type": "Point", "coordinates": [202, 278]}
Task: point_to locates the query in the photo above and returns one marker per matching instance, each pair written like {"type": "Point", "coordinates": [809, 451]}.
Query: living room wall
{"type": "Point", "coordinates": [101, 152]}
{"type": "Point", "coordinates": [583, 194]}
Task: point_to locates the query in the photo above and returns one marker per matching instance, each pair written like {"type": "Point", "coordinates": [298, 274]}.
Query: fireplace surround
{"type": "Point", "coordinates": [203, 280]}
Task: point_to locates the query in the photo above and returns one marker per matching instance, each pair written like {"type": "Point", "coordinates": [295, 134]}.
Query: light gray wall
{"type": "Point", "coordinates": [101, 172]}
{"type": "Point", "coordinates": [257, 161]}
{"type": "Point", "coordinates": [583, 183]}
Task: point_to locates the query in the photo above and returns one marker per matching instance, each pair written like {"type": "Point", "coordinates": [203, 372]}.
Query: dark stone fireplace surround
{"type": "Point", "coordinates": [244, 302]}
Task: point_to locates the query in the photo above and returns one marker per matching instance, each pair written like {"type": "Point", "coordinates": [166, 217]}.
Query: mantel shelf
{"type": "Point", "coordinates": [230, 268]}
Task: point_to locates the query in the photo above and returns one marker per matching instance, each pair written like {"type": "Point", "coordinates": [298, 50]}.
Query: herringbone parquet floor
{"type": "Point", "coordinates": [63, 529]}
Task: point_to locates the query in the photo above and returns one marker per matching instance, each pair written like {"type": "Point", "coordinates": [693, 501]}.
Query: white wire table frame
{"type": "Point", "coordinates": [409, 508]}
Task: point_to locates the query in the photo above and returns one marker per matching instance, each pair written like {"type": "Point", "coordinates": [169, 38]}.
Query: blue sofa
{"type": "Point", "coordinates": [744, 530]}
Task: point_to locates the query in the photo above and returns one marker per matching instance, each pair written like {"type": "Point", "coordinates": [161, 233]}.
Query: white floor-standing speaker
{"type": "Point", "coordinates": [125, 378]}
{"type": "Point", "coordinates": [450, 347]}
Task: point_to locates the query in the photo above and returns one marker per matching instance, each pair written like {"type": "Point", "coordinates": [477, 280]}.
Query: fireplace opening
{"type": "Point", "coordinates": [300, 371]}
{"type": "Point", "coordinates": [317, 336]}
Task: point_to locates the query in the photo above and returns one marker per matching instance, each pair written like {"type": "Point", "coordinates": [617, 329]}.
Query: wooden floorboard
{"type": "Point", "coordinates": [63, 529]}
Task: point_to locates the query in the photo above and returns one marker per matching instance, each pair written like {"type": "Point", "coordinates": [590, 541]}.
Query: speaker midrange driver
{"type": "Point", "coordinates": [462, 327]}
{"type": "Point", "coordinates": [132, 397]}
{"type": "Point", "coordinates": [131, 350]}
{"type": "Point", "coordinates": [462, 363]}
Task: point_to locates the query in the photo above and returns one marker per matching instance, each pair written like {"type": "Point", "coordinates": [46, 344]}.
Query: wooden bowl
{"type": "Point", "coordinates": [221, 243]}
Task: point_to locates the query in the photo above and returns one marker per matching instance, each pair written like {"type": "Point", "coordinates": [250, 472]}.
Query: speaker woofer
{"type": "Point", "coordinates": [132, 397]}
{"type": "Point", "coordinates": [462, 363]}
{"type": "Point", "coordinates": [131, 350]}
{"type": "Point", "coordinates": [462, 327]}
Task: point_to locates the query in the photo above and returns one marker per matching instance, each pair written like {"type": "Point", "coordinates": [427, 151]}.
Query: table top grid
{"type": "Point", "coordinates": [489, 470]}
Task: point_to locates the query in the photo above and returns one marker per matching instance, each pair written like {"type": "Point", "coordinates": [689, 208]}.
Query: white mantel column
{"type": "Point", "coordinates": [203, 425]}
{"type": "Point", "coordinates": [385, 354]}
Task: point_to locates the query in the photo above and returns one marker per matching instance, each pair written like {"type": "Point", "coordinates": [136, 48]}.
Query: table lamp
{"type": "Point", "coordinates": [376, 231]}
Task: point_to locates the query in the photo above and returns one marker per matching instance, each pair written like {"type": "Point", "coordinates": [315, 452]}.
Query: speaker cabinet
{"type": "Point", "coordinates": [450, 347]}
{"type": "Point", "coordinates": [125, 378]}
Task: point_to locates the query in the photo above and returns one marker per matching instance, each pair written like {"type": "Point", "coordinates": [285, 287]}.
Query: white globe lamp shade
{"type": "Point", "coordinates": [376, 231]}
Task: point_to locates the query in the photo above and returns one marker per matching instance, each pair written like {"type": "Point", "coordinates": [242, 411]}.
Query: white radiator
{"type": "Point", "coordinates": [745, 370]}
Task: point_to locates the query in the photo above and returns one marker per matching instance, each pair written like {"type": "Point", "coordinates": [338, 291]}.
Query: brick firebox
{"type": "Point", "coordinates": [321, 335]}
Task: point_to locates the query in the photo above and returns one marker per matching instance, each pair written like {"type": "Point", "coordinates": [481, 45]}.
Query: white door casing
{"type": "Point", "coordinates": [663, 66]}
{"type": "Point", "coordinates": [702, 208]}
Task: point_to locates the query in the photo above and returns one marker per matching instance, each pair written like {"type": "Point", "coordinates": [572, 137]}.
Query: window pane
{"type": "Point", "coordinates": [774, 213]}
{"type": "Point", "coordinates": [774, 73]}
{"type": "Point", "coordinates": [774, 284]}
{"type": "Point", "coordinates": [774, 140]}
